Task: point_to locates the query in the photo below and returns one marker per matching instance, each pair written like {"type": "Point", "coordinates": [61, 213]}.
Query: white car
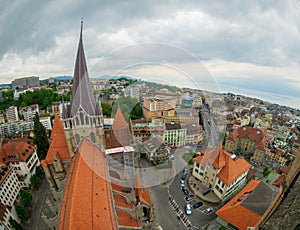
{"type": "Point", "coordinates": [208, 210]}
{"type": "Point", "coordinates": [182, 183]}
{"type": "Point", "coordinates": [188, 209]}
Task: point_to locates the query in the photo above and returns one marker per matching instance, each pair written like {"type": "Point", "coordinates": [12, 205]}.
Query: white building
{"type": "Point", "coordinates": [12, 114]}
{"type": "Point", "coordinates": [46, 122]}
{"type": "Point", "coordinates": [6, 213]}
{"type": "Point", "coordinates": [9, 185]}
{"type": "Point", "coordinates": [22, 157]}
{"type": "Point", "coordinates": [221, 172]}
{"type": "Point", "coordinates": [28, 112]}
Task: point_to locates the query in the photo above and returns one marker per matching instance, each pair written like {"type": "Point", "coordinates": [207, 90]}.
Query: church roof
{"type": "Point", "coordinates": [82, 95]}
{"type": "Point", "coordinates": [119, 121]}
{"type": "Point", "coordinates": [58, 148]}
{"type": "Point", "coordinates": [87, 201]}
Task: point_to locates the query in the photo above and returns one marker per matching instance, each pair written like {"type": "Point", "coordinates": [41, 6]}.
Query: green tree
{"type": "Point", "coordinates": [34, 182]}
{"type": "Point", "coordinates": [26, 198]}
{"type": "Point", "coordinates": [14, 224]}
{"type": "Point", "coordinates": [40, 138]}
{"type": "Point", "coordinates": [22, 213]}
{"type": "Point", "coordinates": [106, 108]}
{"type": "Point", "coordinates": [39, 172]}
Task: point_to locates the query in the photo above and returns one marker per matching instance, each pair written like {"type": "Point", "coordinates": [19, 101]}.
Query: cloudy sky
{"type": "Point", "coordinates": [239, 46]}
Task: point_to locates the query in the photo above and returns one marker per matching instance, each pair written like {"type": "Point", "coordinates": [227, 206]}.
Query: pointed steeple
{"type": "Point", "coordinates": [81, 93]}
{"type": "Point", "coordinates": [119, 121]}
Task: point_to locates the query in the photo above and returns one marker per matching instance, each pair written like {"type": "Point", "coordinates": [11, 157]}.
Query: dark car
{"type": "Point", "coordinates": [198, 204]}
{"type": "Point", "coordinates": [183, 177]}
{"type": "Point", "coordinates": [185, 191]}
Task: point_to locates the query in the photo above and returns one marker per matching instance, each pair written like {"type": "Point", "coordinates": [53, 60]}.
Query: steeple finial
{"type": "Point", "coordinates": [81, 27]}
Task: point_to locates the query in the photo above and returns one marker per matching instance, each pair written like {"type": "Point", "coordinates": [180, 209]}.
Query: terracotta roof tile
{"type": "Point", "coordinates": [119, 121]}
{"type": "Point", "coordinates": [118, 188]}
{"type": "Point", "coordinates": [125, 219]}
{"type": "Point", "coordinates": [87, 201]}
{"type": "Point", "coordinates": [238, 215]}
{"type": "Point", "coordinates": [16, 151]}
{"type": "Point", "coordinates": [58, 147]}
{"type": "Point", "coordinates": [232, 169]}
{"type": "Point", "coordinates": [143, 195]}
{"type": "Point", "coordinates": [120, 201]}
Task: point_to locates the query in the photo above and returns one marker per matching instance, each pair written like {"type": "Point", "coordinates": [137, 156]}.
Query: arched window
{"type": "Point", "coordinates": [77, 137]}
{"type": "Point", "coordinates": [93, 137]}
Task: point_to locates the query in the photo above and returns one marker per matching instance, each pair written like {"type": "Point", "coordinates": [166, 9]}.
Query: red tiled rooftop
{"type": "Point", "coordinates": [125, 219]}
{"type": "Point", "coordinates": [58, 147]}
{"type": "Point", "coordinates": [120, 201]}
{"type": "Point", "coordinates": [117, 188]}
{"type": "Point", "coordinates": [232, 169]}
{"type": "Point", "coordinates": [119, 121]}
{"type": "Point", "coordinates": [238, 215]}
{"type": "Point", "coordinates": [87, 201]}
{"type": "Point", "coordinates": [16, 151]}
{"type": "Point", "coordinates": [143, 195]}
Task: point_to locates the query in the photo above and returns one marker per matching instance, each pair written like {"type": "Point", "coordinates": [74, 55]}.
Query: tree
{"type": "Point", "coordinates": [26, 198]}
{"type": "Point", "coordinates": [40, 138]}
{"type": "Point", "coordinates": [21, 213]}
{"type": "Point", "coordinates": [14, 224]}
{"type": "Point", "coordinates": [106, 108]}
{"type": "Point", "coordinates": [39, 172]}
{"type": "Point", "coordinates": [34, 182]}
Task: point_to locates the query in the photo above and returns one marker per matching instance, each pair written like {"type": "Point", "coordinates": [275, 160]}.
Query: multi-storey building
{"type": "Point", "coordinates": [9, 185]}
{"type": "Point", "coordinates": [21, 155]}
{"type": "Point", "coordinates": [223, 173]}
{"type": "Point", "coordinates": [46, 122]}
{"type": "Point", "coordinates": [28, 112]}
{"type": "Point", "coordinates": [174, 135]}
{"type": "Point", "coordinates": [246, 209]}
{"type": "Point", "coordinates": [5, 215]}
{"type": "Point", "coordinates": [12, 114]}
{"type": "Point", "coordinates": [158, 107]}
{"type": "Point", "coordinates": [25, 82]}
{"type": "Point", "coordinates": [142, 130]}
{"type": "Point", "coordinates": [248, 141]}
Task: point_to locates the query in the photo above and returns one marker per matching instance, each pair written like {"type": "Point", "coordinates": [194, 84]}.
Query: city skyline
{"type": "Point", "coordinates": [237, 45]}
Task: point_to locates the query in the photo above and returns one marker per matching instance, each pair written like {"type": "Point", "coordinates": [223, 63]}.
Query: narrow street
{"type": "Point", "coordinates": [38, 200]}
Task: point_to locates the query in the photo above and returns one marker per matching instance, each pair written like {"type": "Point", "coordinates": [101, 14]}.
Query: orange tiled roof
{"type": "Point", "coordinates": [279, 180]}
{"type": "Point", "coordinates": [58, 147]}
{"type": "Point", "coordinates": [117, 188]}
{"type": "Point", "coordinates": [120, 201]}
{"type": "Point", "coordinates": [254, 134]}
{"type": "Point", "coordinates": [232, 169]}
{"type": "Point", "coordinates": [119, 121]}
{"type": "Point", "coordinates": [125, 219]}
{"type": "Point", "coordinates": [87, 201]}
{"type": "Point", "coordinates": [236, 214]}
{"type": "Point", "coordinates": [16, 151]}
{"type": "Point", "coordinates": [215, 157]}
{"type": "Point", "coordinates": [143, 195]}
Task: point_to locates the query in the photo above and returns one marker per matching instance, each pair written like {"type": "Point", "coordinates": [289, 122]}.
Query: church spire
{"type": "Point", "coordinates": [82, 95]}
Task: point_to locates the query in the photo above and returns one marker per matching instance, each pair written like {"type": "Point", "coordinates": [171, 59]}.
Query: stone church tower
{"type": "Point", "coordinates": [83, 117]}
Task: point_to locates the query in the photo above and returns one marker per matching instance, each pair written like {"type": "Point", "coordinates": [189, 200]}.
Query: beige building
{"type": "Point", "coordinates": [248, 140]}
{"type": "Point", "coordinates": [221, 172]}
{"type": "Point", "coordinates": [158, 107]}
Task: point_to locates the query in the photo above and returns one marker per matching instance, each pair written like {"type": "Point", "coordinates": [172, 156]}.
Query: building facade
{"type": "Point", "coordinates": [25, 82]}
{"type": "Point", "coordinates": [28, 112]}
{"type": "Point", "coordinates": [12, 114]}
{"type": "Point", "coordinates": [221, 172]}
{"type": "Point", "coordinates": [248, 141]}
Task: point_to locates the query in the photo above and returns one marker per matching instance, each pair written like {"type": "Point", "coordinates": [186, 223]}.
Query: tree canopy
{"type": "Point", "coordinates": [40, 138]}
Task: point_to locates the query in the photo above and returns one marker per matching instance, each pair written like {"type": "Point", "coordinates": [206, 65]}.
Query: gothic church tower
{"type": "Point", "coordinates": [83, 117]}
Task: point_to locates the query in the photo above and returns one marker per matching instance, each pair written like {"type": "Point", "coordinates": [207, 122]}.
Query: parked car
{"type": "Point", "coordinates": [183, 177]}
{"type": "Point", "coordinates": [185, 171]}
{"type": "Point", "coordinates": [208, 210]}
{"type": "Point", "coordinates": [185, 191]}
{"type": "Point", "coordinates": [188, 209]}
{"type": "Point", "coordinates": [182, 183]}
{"type": "Point", "coordinates": [189, 198]}
{"type": "Point", "coordinates": [206, 191]}
{"type": "Point", "coordinates": [197, 204]}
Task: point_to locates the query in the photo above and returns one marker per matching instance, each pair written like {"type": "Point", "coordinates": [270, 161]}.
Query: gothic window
{"type": "Point", "coordinates": [93, 137]}
{"type": "Point", "coordinates": [77, 137]}
{"type": "Point", "coordinates": [81, 118]}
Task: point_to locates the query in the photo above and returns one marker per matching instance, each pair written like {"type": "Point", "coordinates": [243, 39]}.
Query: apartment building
{"type": "Point", "coordinates": [221, 172]}
{"type": "Point", "coordinates": [12, 114]}
{"type": "Point", "coordinates": [28, 112]}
